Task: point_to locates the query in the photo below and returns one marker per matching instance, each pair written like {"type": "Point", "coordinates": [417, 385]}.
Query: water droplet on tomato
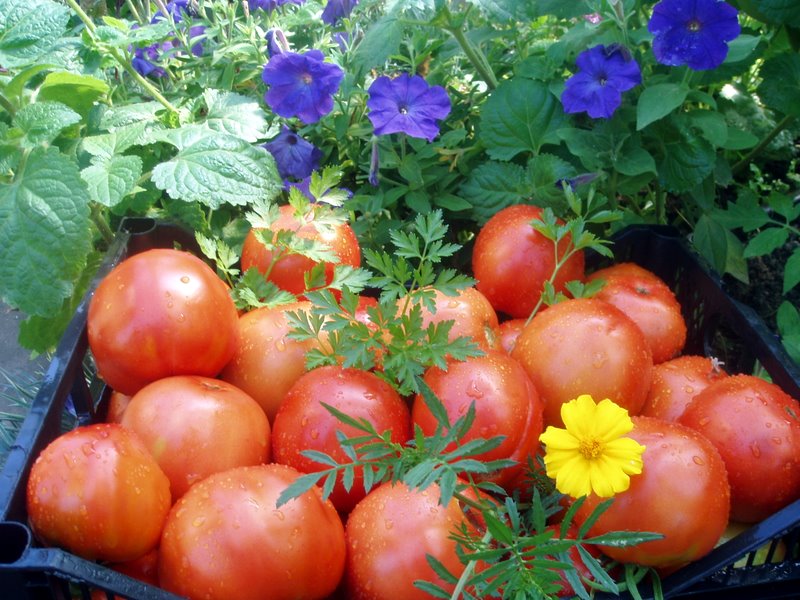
{"type": "Point", "coordinates": [688, 389]}
{"type": "Point", "coordinates": [279, 514]}
{"type": "Point", "coordinates": [185, 279]}
{"type": "Point", "coordinates": [280, 345]}
{"type": "Point", "coordinates": [453, 304]}
{"type": "Point", "coordinates": [388, 523]}
{"type": "Point", "coordinates": [704, 421]}
{"type": "Point", "coordinates": [698, 461]}
{"type": "Point", "coordinates": [755, 449]}
{"type": "Point", "coordinates": [314, 434]}
{"type": "Point", "coordinates": [777, 441]}
{"type": "Point", "coordinates": [473, 391]}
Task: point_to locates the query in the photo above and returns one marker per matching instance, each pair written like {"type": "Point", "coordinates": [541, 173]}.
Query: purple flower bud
{"type": "Point", "coordinates": [374, 164]}
{"type": "Point", "coordinates": [335, 10]}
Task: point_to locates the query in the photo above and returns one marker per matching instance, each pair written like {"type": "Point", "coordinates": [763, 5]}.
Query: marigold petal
{"type": "Point", "coordinates": [555, 438]}
{"type": "Point", "coordinates": [627, 452]}
{"type": "Point", "coordinates": [611, 421]}
{"type": "Point", "coordinates": [608, 478]}
{"type": "Point", "coordinates": [579, 416]}
{"type": "Point", "coordinates": [574, 478]}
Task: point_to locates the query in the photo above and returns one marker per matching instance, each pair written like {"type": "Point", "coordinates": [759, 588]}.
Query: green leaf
{"type": "Point", "coordinates": [108, 144]}
{"type": "Point", "coordinates": [410, 170]}
{"type": "Point", "coordinates": [556, 8]}
{"type": "Point", "coordinates": [781, 11]}
{"type": "Point", "coordinates": [237, 115]}
{"type": "Point", "coordinates": [28, 28]}
{"type": "Point", "coordinates": [788, 320]}
{"type": "Point", "coordinates": [738, 139]}
{"type": "Point", "coordinates": [711, 241]}
{"type": "Point", "coordinates": [219, 168]}
{"type": "Point", "coordinates": [687, 159]}
{"type": "Point", "coordinates": [15, 87]}
{"type": "Point", "coordinates": [634, 160]}
{"type": "Point", "coordinates": [766, 241]}
{"type": "Point", "coordinates": [79, 92]}
{"type": "Point", "coordinates": [521, 115]}
{"type": "Point", "coordinates": [111, 179]}
{"type": "Point", "coordinates": [742, 47]}
{"type": "Point", "coordinates": [492, 186]}
{"type": "Point", "coordinates": [657, 101]}
{"type": "Point", "coordinates": [791, 272]}
{"type": "Point", "coordinates": [44, 233]}
{"type": "Point", "coordinates": [711, 124]}
{"type": "Point", "coordinates": [502, 10]}
{"type": "Point", "coordinates": [41, 122]}
{"type": "Point", "coordinates": [381, 40]}
{"type": "Point", "coordinates": [780, 85]}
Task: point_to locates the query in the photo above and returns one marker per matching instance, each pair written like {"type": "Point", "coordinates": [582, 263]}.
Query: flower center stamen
{"type": "Point", "coordinates": [693, 26]}
{"type": "Point", "coordinates": [306, 78]}
{"type": "Point", "coordinates": [590, 449]}
{"type": "Point", "coordinates": [403, 109]}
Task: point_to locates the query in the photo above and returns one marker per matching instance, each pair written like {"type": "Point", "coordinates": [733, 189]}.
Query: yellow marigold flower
{"type": "Point", "coordinates": [592, 454]}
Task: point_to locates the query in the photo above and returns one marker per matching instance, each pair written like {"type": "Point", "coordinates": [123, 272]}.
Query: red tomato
{"type": "Point", "coordinates": [471, 313]}
{"type": "Point", "coordinates": [649, 302]}
{"type": "Point", "coordinates": [303, 423]}
{"type": "Point", "coordinates": [117, 404]}
{"type": "Point", "coordinates": [506, 404]}
{"type": "Point", "coordinates": [227, 538]}
{"type": "Point", "coordinates": [267, 362]}
{"type": "Point", "coordinates": [676, 382]}
{"type": "Point", "coordinates": [682, 493]}
{"type": "Point", "coordinates": [390, 532]}
{"type": "Point", "coordinates": [755, 426]}
{"type": "Point", "coordinates": [144, 568]}
{"type": "Point", "coordinates": [585, 346]}
{"type": "Point", "coordinates": [288, 270]}
{"type": "Point", "coordinates": [98, 492]}
{"type": "Point", "coordinates": [196, 426]}
{"type": "Point", "coordinates": [511, 261]}
{"type": "Point", "coordinates": [160, 313]}
{"type": "Point", "coordinates": [509, 331]}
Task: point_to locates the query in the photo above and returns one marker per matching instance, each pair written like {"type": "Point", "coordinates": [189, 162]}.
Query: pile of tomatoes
{"type": "Point", "coordinates": [214, 413]}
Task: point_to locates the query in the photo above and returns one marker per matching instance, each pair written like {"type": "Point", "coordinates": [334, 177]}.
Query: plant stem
{"type": "Point", "coordinates": [134, 12]}
{"type": "Point", "coordinates": [90, 27]}
{"type": "Point", "coordinates": [99, 219]}
{"type": "Point", "coordinates": [6, 104]}
{"type": "Point", "coordinates": [779, 126]}
{"type": "Point", "coordinates": [476, 57]}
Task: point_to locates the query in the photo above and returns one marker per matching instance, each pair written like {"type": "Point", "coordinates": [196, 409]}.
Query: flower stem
{"type": "Point", "coordinates": [475, 56]}
{"type": "Point", "coordinates": [90, 27]}
{"type": "Point", "coordinates": [134, 12]}
{"type": "Point", "coordinates": [779, 126]}
{"type": "Point", "coordinates": [6, 104]}
{"type": "Point", "coordinates": [99, 219]}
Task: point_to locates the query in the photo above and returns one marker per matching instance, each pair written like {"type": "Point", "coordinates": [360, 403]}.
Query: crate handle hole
{"type": "Point", "coordinates": [15, 539]}
{"type": "Point", "coordinates": [138, 225]}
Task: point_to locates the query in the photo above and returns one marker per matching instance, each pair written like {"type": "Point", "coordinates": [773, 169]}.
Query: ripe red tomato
{"type": "Point", "coordinates": [755, 426]}
{"type": "Point", "coordinates": [682, 493]}
{"type": "Point", "coordinates": [303, 423]}
{"type": "Point", "coordinates": [390, 532]}
{"type": "Point", "coordinates": [509, 331]}
{"type": "Point", "coordinates": [676, 382]}
{"type": "Point", "coordinates": [160, 313]}
{"type": "Point", "coordinates": [585, 346]}
{"type": "Point", "coordinates": [506, 404]}
{"type": "Point", "coordinates": [649, 302]}
{"type": "Point", "coordinates": [98, 492]}
{"type": "Point", "coordinates": [117, 404]}
{"type": "Point", "coordinates": [472, 315]}
{"type": "Point", "coordinates": [197, 426]}
{"type": "Point", "coordinates": [267, 362]}
{"type": "Point", "coordinates": [511, 261]}
{"type": "Point", "coordinates": [288, 270]}
{"type": "Point", "coordinates": [227, 538]}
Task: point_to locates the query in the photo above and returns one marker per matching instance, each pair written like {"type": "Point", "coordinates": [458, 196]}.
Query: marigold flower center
{"type": "Point", "coordinates": [590, 449]}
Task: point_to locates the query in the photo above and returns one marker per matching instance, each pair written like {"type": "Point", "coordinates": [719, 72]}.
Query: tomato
{"type": "Point", "coordinates": [585, 346]}
{"type": "Point", "coordinates": [98, 492]}
{"type": "Point", "coordinates": [117, 405]}
{"type": "Point", "coordinates": [160, 313]}
{"type": "Point", "coordinates": [303, 423]}
{"type": "Point", "coordinates": [512, 261]}
{"type": "Point", "coordinates": [144, 568]}
{"type": "Point", "coordinates": [196, 426]}
{"type": "Point", "coordinates": [755, 426]}
{"type": "Point", "coordinates": [506, 404]}
{"type": "Point", "coordinates": [682, 493]}
{"type": "Point", "coordinates": [509, 331]}
{"type": "Point", "coordinates": [649, 302]}
{"type": "Point", "coordinates": [227, 538]}
{"type": "Point", "coordinates": [267, 362]}
{"type": "Point", "coordinates": [288, 270]}
{"type": "Point", "coordinates": [676, 382]}
{"type": "Point", "coordinates": [472, 315]}
{"type": "Point", "coordinates": [390, 532]}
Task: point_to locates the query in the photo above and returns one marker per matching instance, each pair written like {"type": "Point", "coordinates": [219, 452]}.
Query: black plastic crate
{"type": "Point", "coordinates": [717, 326]}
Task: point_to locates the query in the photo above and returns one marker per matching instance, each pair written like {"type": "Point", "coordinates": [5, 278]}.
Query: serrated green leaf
{"type": "Point", "coordinates": [791, 272]}
{"type": "Point", "coordinates": [745, 213]}
{"type": "Point", "coordinates": [15, 87]}
{"type": "Point", "coordinates": [712, 125]}
{"type": "Point", "coordinates": [687, 158]}
{"type": "Point", "coordinates": [217, 169]}
{"type": "Point", "coordinates": [299, 487]}
{"type": "Point", "coordinates": [79, 92]}
{"type": "Point", "coordinates": [111, 179]}
{"type": "Point", "coordinates": [780, 83]}
{"type": "Point", "coordinates": [492, 186]}
{"type": "Point", "coordinates": [28, 28]}
{"type": "Point", "coordinates": [108, 144]}
{"type": "Point", "coordinates": [41, 122]}
{"type": "Point", "coordinates": [521, 115]}
{"type": "Point", "coordinates": [380, 41]}
{"type": "Point", "coordinates": [711, 241]}
{"type": "Point", "coordinates": [236, 115]}
{"type": "Point", "coordinates": [44, 233]}
{"type": "Point", "coordinates": [780, 11]}
{"type": "Point", "coordinates": [657, 101]}
{"type": "Point", "coordinates": [738, 139]}
{"type": "Point", "coordinates": [766, 241]}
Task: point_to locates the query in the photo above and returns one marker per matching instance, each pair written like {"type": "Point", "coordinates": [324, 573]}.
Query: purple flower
{"type": "Point", "coordinates": [294, 156]}
{"type": "Point", "coordinates": [605, 72]}
{"type": "Point", "coordinates": [176, 8]}
{"type": "Point", "coordinates": [693, 32]}
{"type": "Point", "coordinates": [336, 10]}
{"type": "Point", "coordinates": [408, 104]}
{"type": "Point", "coordinates": [144, 62]}
{"type": "Point", "coordinates": [270, 5]}
{"type": "Point", "coordinates": [276, 41]}
{"type": "Point", "coordinates": [374, 164]}
{"type": "Point", "coordinates": [301, 85]}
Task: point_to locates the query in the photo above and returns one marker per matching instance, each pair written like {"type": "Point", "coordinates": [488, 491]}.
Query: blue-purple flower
{"type": "Point", "coordinates": [693, 32]}
{"type": "Point", "coordinates": [301, 85]}
{"type": "Point", "coordinates": [276, 42]}
{"type": "Point", "coordinates": [270, 5]}
{"type": "Point", "coordinates": [407, 104]}
{"type": "Point", "coordinates": [336, 10]}
{"type": "Point", "coordinates": [145, 59]}
{"type": "Point", "coordinates": [604, 73]}
{"type": "Point", "coordinates": [294, 156]}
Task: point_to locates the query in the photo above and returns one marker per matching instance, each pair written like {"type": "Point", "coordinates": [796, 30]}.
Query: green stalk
{"type": "Point", "coordinates": [779, 126]}
{"type": "Point", "coordinates": [134, 12]}
{"type": "Point", "coordinates": [90, 27]}
{"type": "Point", "coordinates": [6, 104]}
{"type": "Point", "coordinates": [475, 56]}
{"type": "Point", "coordinates": [99, 219]}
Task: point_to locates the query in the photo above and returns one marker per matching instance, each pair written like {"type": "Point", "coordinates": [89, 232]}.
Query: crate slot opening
{"type": "Point", "coordinates": [15, 539]}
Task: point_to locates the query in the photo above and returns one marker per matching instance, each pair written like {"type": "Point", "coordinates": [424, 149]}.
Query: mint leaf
{"type": "Point", "coordinates": [44, 233]}
{"type": "Point", "coordinates": [687, 158]}
{"type": "Point", "coordinates": [791, 273]}
{"type": "Point", "coordinates": [780, 85]}
{"type": "Point", "coordinates": [41, 122]}
{"type": "Point", "coordinates": [111, 179]}
{"type": "Point", "coordinates": [381, 40]}
{"type": "Point", "coordinates": [219, 168]}
{"type": "Point", "coordinates": [108, 144]}
{"type": "Point", "coordinates": [79, 92]}
{"type": "Point", "coordinates": [237, 115]}
{"type": "Point", "coordinates": [28, 28]}
{"type": "Point", "coordinates": [658, 101]}
{"type": "Point", "coordinates": [521, 115]}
